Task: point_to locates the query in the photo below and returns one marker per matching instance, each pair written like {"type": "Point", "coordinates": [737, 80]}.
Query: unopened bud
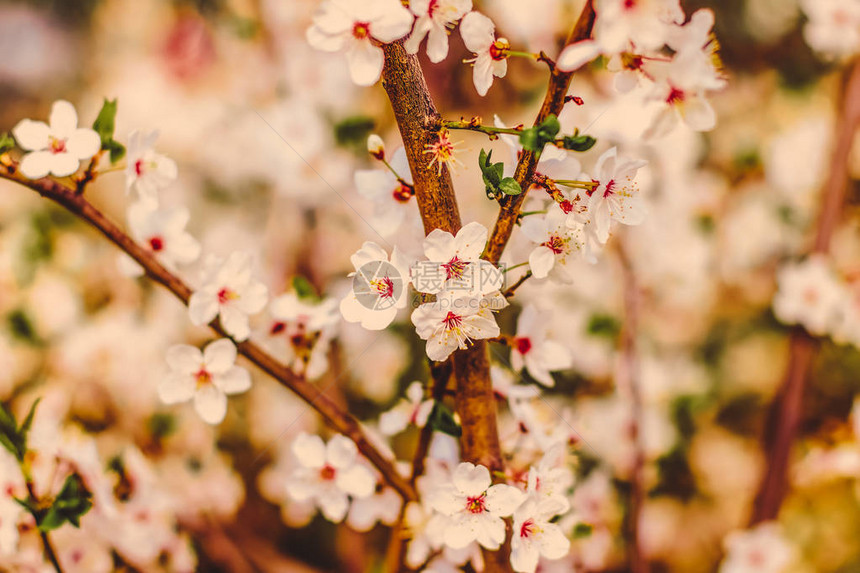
{"type": "Point", "coordinates": [376, 147]}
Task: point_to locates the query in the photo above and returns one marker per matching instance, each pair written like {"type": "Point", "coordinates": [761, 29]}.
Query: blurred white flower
{"type": "Point", "coordinates": [228, 290]}
{"type": "Point", "coordinates": [58, 148]}
{"type": "Point", "coordinates": [491, 54]}
{"type": "Point", "coordinates": [389, 193]}
{"type": "Point", "coordinates": [535, 536]}
{"type": "Point", "coordinates": [434, 19]}
{"type": "Point", "coordinates": [413, 409]}
{"type": "Point", "coordinates": [328, 474]}
{"type": "Point", "coordinates": [531, 350]}
{"type": "Point", "coordinates": [833, 28]}
{"type": "Point", "coordinates": [383, 506]}
{"type": "Point", "coordinates": [346, 25]}
{"type": "Point", "coordinates": [762, 549]}
{"type": "Point", "coordinates": [207, 377]}
{"type": "Point", "coordinates": [146, 171]}
{"type": "Point", "coordinates": [162, 233]}
{"type": "Point", "coordinates": [300, 332]}
{"type": "Point", "coordinates": [474, 507]}
{"type": "Point", "coordinates": [810, 294]}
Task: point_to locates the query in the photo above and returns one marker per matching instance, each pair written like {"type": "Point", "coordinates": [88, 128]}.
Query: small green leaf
{"type": "Point", "coordinates": [604, 325]}
{"type": "Point", "coordinates": [529, 139]}
{"type": "Point", "coordinates": [549, 128]}
{"type": "Point", "coordinates": [73, 501]}
{"type": "Point", "coordinates": [13, 437]}
{"type": "Point", "coordinates": [6, 142]}
{"type": "Point", "coordinates": [578, 142]}
{"type": "Point", "coordinates": [116, 150]}
{"type": "Point", "coordinates": [509, 186]}
{"type": "Point", "coordinates": [304, 289]}
{"type": "Point", "coordinates": [353, 131]}
{"type": "Point", "coordinates": [535, 138]}
{"type": "Point", "coordinates": [442, 420]}
{"type": "Point", "coordinates": [28, 420]}
{"type": "Point", "coordinates": [104, 123]}
{"type": "Point", "coordinates": [581, 530]}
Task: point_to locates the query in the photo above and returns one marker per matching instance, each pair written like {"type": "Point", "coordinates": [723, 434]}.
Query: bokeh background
{"type": "Point", "coordinates": [267, 134]}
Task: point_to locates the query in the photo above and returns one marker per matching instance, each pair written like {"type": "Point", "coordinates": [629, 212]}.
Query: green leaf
{"type": "Point", "coordinates": [13, 437]}
{"type": "Point", "coordinates": [578, 142]}
{"type": "Point", "coordinates": [28, 420]}
{"type": "Point", "coordinates": [442, 420]}
{"type": "Point", "coordinates": [6, 142]}
{"type": "Point", "coordinates": [353, 131]}
{"type": "Point", "coordinates": [104, 126]}
{"type": "Point", "coordinates": [604, 325]}
{"type": "Point", "coordinates": [549, 128]}
{"type": "Point", "coordinates": [509, 186]}
{"type": "Point", "coordinates": [304, 289]}
{"type": "Point", "coordinates": [104, 123]}
{"type": "Point", "coordinates": [73, 501]}
{"type": "Point", "coordinates": [529, 139]}
{"type": "Point", "coordinates": [535, 138]}
{"type": "Point", "coordinates": [581, 530]}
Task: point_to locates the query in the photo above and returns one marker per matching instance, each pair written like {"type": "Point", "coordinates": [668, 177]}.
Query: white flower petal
{"type": "Point", "coordinates": [184, 359]}
{"type": "Point", "coordinates": [365, 62]}
{"type": "Point", "coordinates": [309, 450]}
{"type": "Point", "coordinates": [176, 388]}
{"type": "Point", "coordinates": [210, 404]}
{"type": "Point", "coordinates": [63, 120]}
{"type": "Point", "coordinates": [31, 135]}
{"type": "Point", "coordinates": [234, 381]}
{"type": "Point", "coordinates": [36, 164]}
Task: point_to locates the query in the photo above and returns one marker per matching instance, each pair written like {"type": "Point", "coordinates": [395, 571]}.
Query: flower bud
{"type": "Point", "coordinates": [376, 147]}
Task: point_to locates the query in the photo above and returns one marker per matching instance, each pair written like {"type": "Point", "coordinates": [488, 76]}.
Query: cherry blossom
{"type": "Point", "coordinates": [833, 28]}
{"type": "Point", "coordinates": [328, 474]}
{"type": "Point", "coordinates": [375, 146]}
{"type": "Point", "coordinates": [454, 263]}
{"type": "Point", "coordinates": [391, 194]}
{"type": "Point", "coordinates": [551, 478]}
{"type": "Point", "coordinates": [558, 244]}
{"type": "Point", "coordinates": [491, 54]}
{"type": "Point", "coordinates": [413, 409]}
{"type": "Point", "coordinates": [762, 549]}
{"type": "Point", "coordinates": [56, 148]}
{"type": "Point", "coordinates": [434, 19]}
{"type": "Point", "coordinates": [208, 377]}
{"type": "Point", "coordinates": [161, 232]}
{"type": "Point", "coordinates": [810, 294]}
{"type": "Point", "coordinates": [616, 195]}
{"type": "Point", "coordinates": [453, 321]}
{"type": "Point", "coordinates": [229, 291]}
{"type": "Point", "coordinates": [530, 348]}
{"type": "Point", "coordinates": [535, 536]}
{"type": "Point", "coordinates": [383, 506]}
{"type": "Point", "coordinates": [146, 171]}
{"type": "Point", "coordinates": [379, 288]}
{"type": "Point", "coordinates": [475, 507]}
{"type": "Point", "coordinates": [356, 27]}
{"type": "Point", "coordinates": [300, 332]}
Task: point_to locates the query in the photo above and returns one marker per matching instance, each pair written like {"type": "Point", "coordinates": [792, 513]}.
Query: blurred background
{"type": "Point", "coordinates": [267, 134]}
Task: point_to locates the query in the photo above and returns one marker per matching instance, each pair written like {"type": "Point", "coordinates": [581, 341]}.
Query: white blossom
{"type": "Point", "coordinates": [479, 35]}
{"type": "Point", "coordinates": [391, 194]}
{"type": "Point", "coordinates": [56, 148]}
{"type": "Point", "coordinates": [532, 350]}
{"type": "Point", "coordinates": [352, 26]}
{"type": "Point", "coordinates": [474, 507]}
{"type": "Point", "coordinates": [616, 195]}
{"type": "Point", "coordinates": [534, 536]}
{"type": "Point", "coordinates": [453, 321]}
{"type": "Point", "coordinates": [162, 233]}
{"type": "Point", "coordinates": [207, 377]}
{"type": "Point", "coordinates": [146, 171]}
{"type": "Point", "coordinates": [413, 409]}
{"type": "Point", "coordinates": [833, 28]}
{"type": "Point", "coordinates": [810, 294]}
{"type": "Point", "coordinates": [434, 19]}
{"type": "Point", "coordinates": [328, 474]}
{"type": "Point", "coordinates": [558, 243]}
{"type": "Point", "coordinates": [229, 291]}
{"type": "Point", "coordinates": [454, 263]}
{"type": "Point", "coordinates": [300, 332]}
{"type": "Point", "coordinates": [762, 549]}
{"type": "Point", "coordinates": [379, 287]}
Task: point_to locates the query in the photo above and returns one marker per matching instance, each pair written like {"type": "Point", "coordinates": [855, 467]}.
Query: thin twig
{"type": "Point", "coordinates": [784, 415]}
{"type": "Point", "coordinates": [513, 288]}
{"type": "Point", "coordinates": [340, 420]}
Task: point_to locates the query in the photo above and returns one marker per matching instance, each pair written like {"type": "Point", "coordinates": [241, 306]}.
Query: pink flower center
{"type": "Point", "coordinates": [477, 504]}
{"type": "Point", "coordinates": [455, 268]}
{"type": "Point", "coordinates": [156, 243]}
{"type": "Point", "coordinates": [57, 145]}
{"type": "Point", "coordinates": [528, 528]}
{"type": "Point", "coordinates": [361, 30]}
{"type": "Point", "coordinates": [524, 344]}
{"type": "Point", "coordinates": [138, 167]}
{"type": "Point", "coordinates": [452, 321]}
{"type": "Point", "coordinates": [384, 287]}
{"type": "Point", "coordinates": [327, 473]}
{"type": "Point", "coordinates": [609, 188]}
{"type": "Point", "coordinates": [403, 193]}
{"type": "Point", "coordinates": [278, 328]}
{"type": "Point", "coordinates": [566, 206]}
{"type": "Point", "coordinates": [554, 244]}
{"type": "Point", "coordinates": [629, 4]}
{"type": "Point", "coordinates": [675, 96]}
{"type": "Point", "coordinates": [225, 295]}
{"type": "Point", "coordinates": [499, 49]}
{"type": "Point", "coordinates": [202, 377]}
{"type": "Point", "coordinates": [432, 7]}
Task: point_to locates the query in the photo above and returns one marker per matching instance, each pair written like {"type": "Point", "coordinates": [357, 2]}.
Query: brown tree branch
{"type": "Point", "coordinates": [785, 411]}
{"type": "Point", "coordinates": [340, 420]}
{"type": "Point", "coordinates": [559, 83]}
{"type": "Point", "coordinates": [629, 385]}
